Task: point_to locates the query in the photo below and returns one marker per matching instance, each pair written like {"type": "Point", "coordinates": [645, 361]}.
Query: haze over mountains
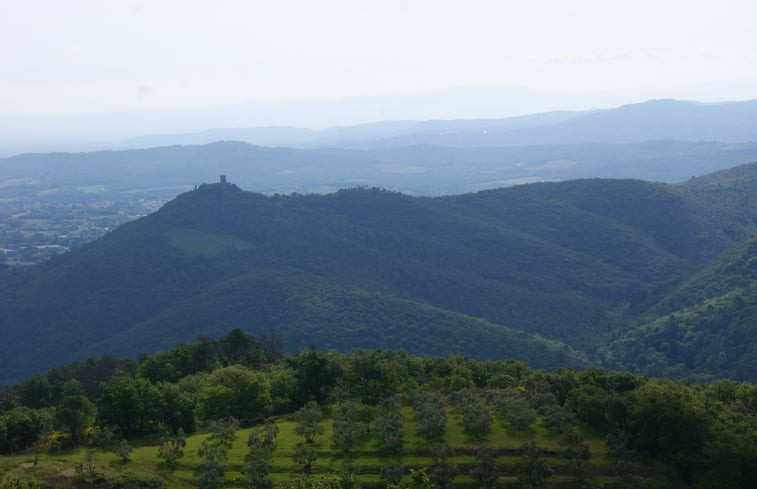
{"type": "Point", "coordinates": [662, 140]}
{"type": "Point", "coordinates": [654, 120]}
{"type": "Point", "coordinates": [554, 274]}
{"type": "Point", "coordinates": [732, 122]}
{"type": "Point", "coordinates": [103, 130]}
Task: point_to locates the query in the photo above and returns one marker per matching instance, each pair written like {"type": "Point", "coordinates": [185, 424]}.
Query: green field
{"type": "Point", "coordinates": [366, 458]}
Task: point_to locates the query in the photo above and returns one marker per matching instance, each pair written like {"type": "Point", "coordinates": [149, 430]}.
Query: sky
{"type": "Point", "coordinates": [83, 56]}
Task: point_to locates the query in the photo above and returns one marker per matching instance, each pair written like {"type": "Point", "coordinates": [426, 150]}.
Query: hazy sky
{"type": "Point", "coordinates": [72, 56]}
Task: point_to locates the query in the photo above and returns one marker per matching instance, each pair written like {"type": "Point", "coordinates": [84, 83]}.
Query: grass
{"type": "Point", "coordinates": [367, 457]}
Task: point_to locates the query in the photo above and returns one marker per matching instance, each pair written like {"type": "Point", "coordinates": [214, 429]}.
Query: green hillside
{"type": "Point", "coordinates": [531, 272]}
{"type": "Point", "coordinates": [705, 327]}
{"type": "Point", "coordinates": [310, 312]}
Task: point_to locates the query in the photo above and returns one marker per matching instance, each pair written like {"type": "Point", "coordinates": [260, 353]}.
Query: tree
{"type": "Point", "coordinates": [557, 418]}
{"type": "Point", "coordinates": [223, 431]}
{"type": "Point", "coordinates": [273, 345]}
{"type": "Point", "coordinates": [308, 422]}
{"type": "Point", "coordinates": [216, 401]}
{"type": "Point", "coordinates": [476, 419]}
{"type": "Point", "coordinates": [625, 466]}
{"type": "Point", "coordinates": [36, 392]}
{"type": "Point", "coordinates": [419, 479]}
{"type": "Point", "coordinates": [462, 399]}
{"type": "Point", "coordinates": [533, 470]}
{"type": "Point", "coordinates": [372, 375]}
{"type": "Point", "coordinates": [305, 456]}
{"type": "Point", "coordinates": [282, 378]}
{"type": "Point", "coordinates": [348, 429]}
{"type": "Point", "coordinates": [258, 460]}
{"type": "Point", "coordinates": [389, 425]}
{"type": "Point", "coordinates": [95, 439]}
{"type": "Point", "coordinates": [315, 376]}
{"type": "Point", "coordinates": [431, 418]}
{"type": "Point", "coordinates": [211, 469]}
{"type": "Point", "coordinates": [667, 423]}
{"type": "Point", "coordinates": [237, 347]}
{"type": "Point", "coordinates": [204, 355]}
{"type": "Point", "coordinates": [260, 442]}
{"type": "Point", "coordinates": [74, 412]}
{"type": "Point", "coordinates": [561, 382]}
{"type": "Point", "coordinates": [176, 407]}
{"type": "Point", "coordinates": [486, 471]}
{"type": "Point", "coordinates": [21, 427]}
{"type": "Point", "coordinates": [171, 449]}
{"type": "Point", "coordinates": [576, 452]}
{"type": "Point", "coordinates": [589, 402]}
{"type": "Point", "coordinates": [258, 466]}
{"type": "Point", "coordinates": [90, 461]}
{"type": "Point", "coordinates": [441, 471]}
{"type": "Point", "coordinates": [98, 437]}
{"type": "Point", "coordinates": [235, 391]}
{"type": "Point", "coordinates": [129, 404]}
{"type": "Point", "coordinates": [269, 433]}
{"type": "Point", "coordinates": [123, 450]}
{"type": "Point", "coordinates": [516, 411]}
{"type": "Point", "coordinates": [391, 472]}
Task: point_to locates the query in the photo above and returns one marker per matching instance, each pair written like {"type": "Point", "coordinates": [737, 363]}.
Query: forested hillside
{"type": "Point", "coordinates": [547, 273]}
{"type": "Point", "coordinates": [704, 327]}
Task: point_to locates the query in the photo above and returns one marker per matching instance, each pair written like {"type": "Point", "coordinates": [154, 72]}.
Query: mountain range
{"type": "Point", "coordinates": [654, 120]}
{"type": "Point", "coordinates": [582, 272]}
{"type": "Point", "coordinates": [488, 116]}
{"type": "Point", "coordinates": [661, 140]}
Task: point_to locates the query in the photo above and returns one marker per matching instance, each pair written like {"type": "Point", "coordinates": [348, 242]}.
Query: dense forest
{"type": "Point", "coordinates": [654, 278]}
{"type": "Point", "coordinates": [180, 414]}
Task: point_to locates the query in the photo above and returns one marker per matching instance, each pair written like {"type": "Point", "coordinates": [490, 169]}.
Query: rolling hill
{"type": "Point", "coordinates": [165, 172]}
{"type": "Point", "coordinates": [544, 272]}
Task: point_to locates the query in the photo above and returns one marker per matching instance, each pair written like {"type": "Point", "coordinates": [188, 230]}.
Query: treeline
{"type": "Point", "coordinates": [706, 432]}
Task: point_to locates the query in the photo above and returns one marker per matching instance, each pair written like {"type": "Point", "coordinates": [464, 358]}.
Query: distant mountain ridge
{"type": "Point", "coordinates": [419, 170]}
{"type": "Point", "coordinates": [548, 273]}
{"type": "Point", "coordinates": [654, 120]}
{"type": "Point", "coordinates": [92, 131]}
{"type": "Point", "coordinates": [368, 134]}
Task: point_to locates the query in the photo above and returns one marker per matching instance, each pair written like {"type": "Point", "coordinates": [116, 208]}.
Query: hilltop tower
{"type": "Point", "coordinates": [223, 179]}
